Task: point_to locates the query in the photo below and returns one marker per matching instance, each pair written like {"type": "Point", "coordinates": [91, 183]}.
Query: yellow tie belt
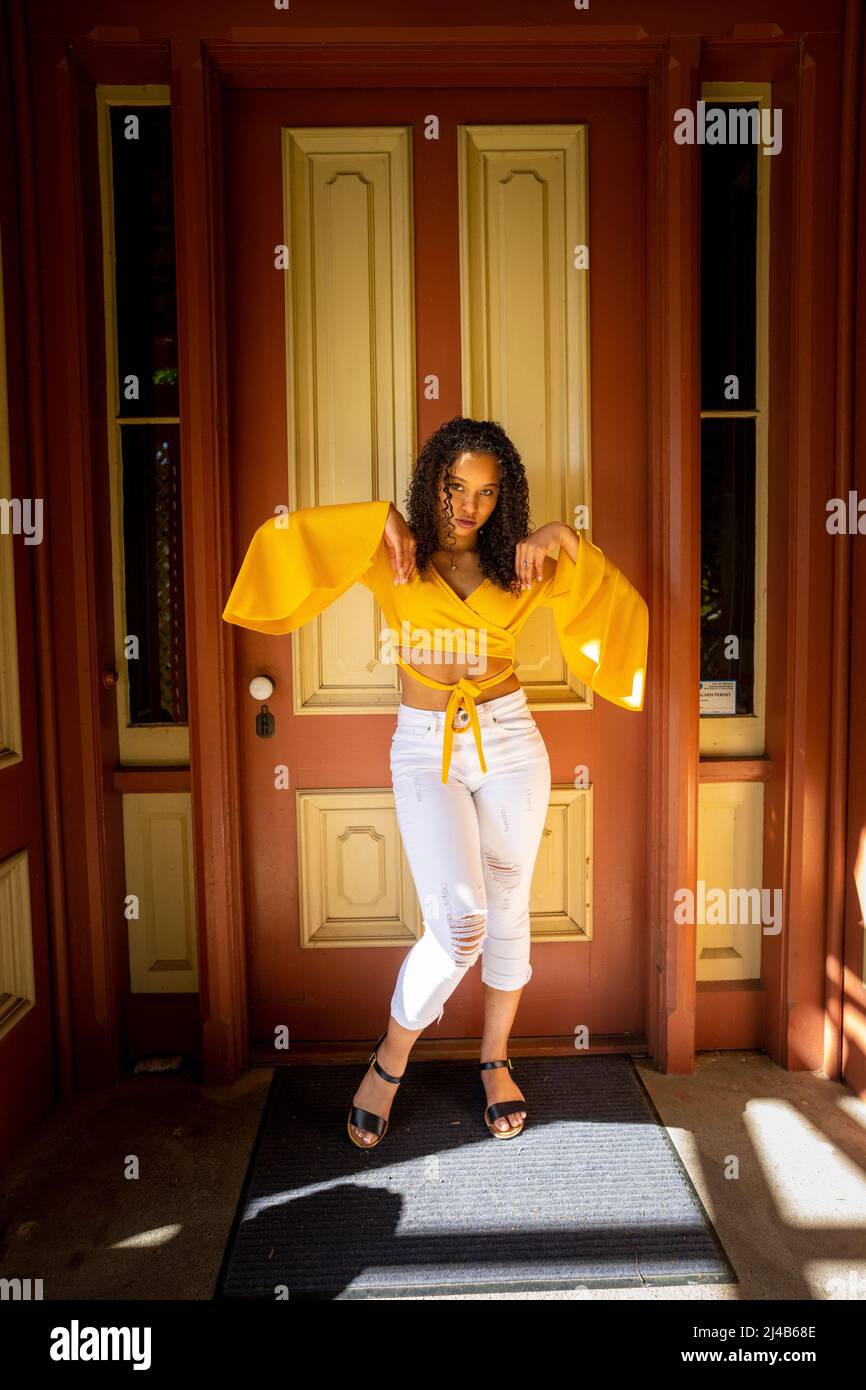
{"type": "Point", "coordinates": [463, 693]}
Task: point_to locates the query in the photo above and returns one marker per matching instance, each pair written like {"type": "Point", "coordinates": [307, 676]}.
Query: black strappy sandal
{"type": "Point", "coordinates": [365, 1119]}
{"type": "Point", "coordinates": [499, 1108]}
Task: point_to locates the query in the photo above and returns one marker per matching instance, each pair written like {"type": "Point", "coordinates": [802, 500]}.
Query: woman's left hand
{"type": "Point", "coordinates": [529, 554]}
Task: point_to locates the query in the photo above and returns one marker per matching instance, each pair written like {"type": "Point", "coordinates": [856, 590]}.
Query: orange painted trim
{"type": "Point", "coordinates": [837, 792]}
{"type": "Point", "coordinates": [152, 779]}
{"type": "Point", "coordinates": [735, 769]}
{"type": "Point", "coordinates": [674, 454]}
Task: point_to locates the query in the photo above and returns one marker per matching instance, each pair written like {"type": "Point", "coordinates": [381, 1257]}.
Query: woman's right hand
{"type": "Point", "coordinates": [401, 546]}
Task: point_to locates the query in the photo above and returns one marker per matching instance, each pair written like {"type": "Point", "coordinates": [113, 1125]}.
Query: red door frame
{"type": "Point", "coordinates": [343, 994]}
{"type": "Point", "coordinates": [802, 385]}
{"type": "Point", "coordinates": [674, 547]}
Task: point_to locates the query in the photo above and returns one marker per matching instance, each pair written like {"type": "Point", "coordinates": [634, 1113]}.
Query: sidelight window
{"type": "Point", "coordinates": [144, 421]}
{"type": "Point", "coordinates": [734, 193]}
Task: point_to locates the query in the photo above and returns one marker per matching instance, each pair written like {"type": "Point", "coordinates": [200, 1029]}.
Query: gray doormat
{"type": "Point", "coordinates": [591, 1194]}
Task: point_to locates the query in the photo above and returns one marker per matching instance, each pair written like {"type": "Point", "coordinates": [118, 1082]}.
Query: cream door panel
{"type": "Point", "coordinates": [160, 892]}
{"type": "Point", "coordinates": [524, 214]}
{"type": "Point", "coordinates": [17, 977]}
{"type": "Point", "coordinates": [730, 858]}
{"type": "Point", "coordinates": [350, 375]}
{"type": "Point", "coordinates": [560, 902]}
{"type": "Point", "coordinates": [356, 887]}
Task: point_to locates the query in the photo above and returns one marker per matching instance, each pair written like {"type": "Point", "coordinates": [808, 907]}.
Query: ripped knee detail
{"type": "Point", "coordinates": [502, 880]}
{"type": "Point", "coordinates": [507, 874]}
{"type": "Point", "coordinates": [467, 934]}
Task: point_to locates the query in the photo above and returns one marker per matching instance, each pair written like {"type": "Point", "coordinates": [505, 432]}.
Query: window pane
{"type": "Point", "coordinates": [153, 561]}
{"type": "Point", "coordinates": [144, 259]}
{"type": "Point", "coordinates": [728, 555]}
{"type": "Point", "coordinates": [729, 212]}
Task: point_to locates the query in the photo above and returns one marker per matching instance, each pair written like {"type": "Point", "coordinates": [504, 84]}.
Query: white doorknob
{"type": "Point", "coordinates": [261, 687]}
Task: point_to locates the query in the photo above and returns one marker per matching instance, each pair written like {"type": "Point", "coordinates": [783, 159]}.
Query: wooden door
{"type": "Point", "coordinates": [27, 1078]}
{"type": "Point", "coordinates": [395, 259]}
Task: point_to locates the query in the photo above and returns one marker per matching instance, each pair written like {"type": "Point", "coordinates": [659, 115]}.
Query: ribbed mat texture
{"type": "Point", "coordinates": [592, 1193]}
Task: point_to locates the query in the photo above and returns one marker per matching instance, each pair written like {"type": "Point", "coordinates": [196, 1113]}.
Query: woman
{"type": "Point", "coordinates": [459, 579]}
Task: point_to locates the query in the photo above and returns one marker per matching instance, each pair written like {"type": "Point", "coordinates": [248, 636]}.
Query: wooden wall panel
{"type": "Point", "coordinates": [163, 950]}
{"type": "Point", "coordinates": [17, 974]}
{"type": "Point", "coordinates": [730, 857]}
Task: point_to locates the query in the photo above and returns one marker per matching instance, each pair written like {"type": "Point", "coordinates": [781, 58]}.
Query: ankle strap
{"type": "Point", "coordinates": [395, 1080]}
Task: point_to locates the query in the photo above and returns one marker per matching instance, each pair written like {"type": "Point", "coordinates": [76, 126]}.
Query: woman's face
{"type": "Point", "coordinates": [472, 481]}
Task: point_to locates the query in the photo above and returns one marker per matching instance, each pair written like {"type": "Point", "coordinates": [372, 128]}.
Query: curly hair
{"type": "Point", "coordinates": [508, 523]}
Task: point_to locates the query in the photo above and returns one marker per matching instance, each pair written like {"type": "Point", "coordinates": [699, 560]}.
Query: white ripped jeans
{"type": "Point", "coordinates": [471, 844]}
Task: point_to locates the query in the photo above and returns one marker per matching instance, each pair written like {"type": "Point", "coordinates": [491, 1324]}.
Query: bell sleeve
{"type": "Point", "coordinates": [298, 563]}
{"type": "Point", "coordinates": [602, 623]}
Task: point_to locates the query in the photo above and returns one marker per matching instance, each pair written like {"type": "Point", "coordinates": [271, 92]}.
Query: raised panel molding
{"type": "Point", "coordinates": [560, 902]}
{"type": "Point", "coordinates": [524, 310]}
{"type": "Point", "coordinates": [350, 375]}
{"type": "Point", "coordinates": [730, 856]}
{"type": "Point", "coordinates": [157, 839]}
{"type": "Point", "coordinates": [17, 978]}
{"type": "Point", "coordinates": [356, 887]}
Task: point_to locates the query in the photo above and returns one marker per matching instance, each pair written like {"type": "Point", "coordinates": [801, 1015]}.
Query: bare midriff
{"type": "Point", "coordinates": [421, 696]}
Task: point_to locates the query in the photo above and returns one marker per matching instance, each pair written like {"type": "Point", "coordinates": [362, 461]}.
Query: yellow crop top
{"type": "Point", "coordinates": [298, 563]}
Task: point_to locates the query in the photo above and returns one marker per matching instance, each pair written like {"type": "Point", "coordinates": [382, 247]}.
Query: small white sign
{"type": "Point", "coordinates": [718, 697]}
